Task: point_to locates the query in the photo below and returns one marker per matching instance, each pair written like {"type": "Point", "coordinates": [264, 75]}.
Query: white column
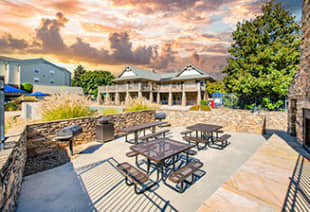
{"type": "Point", "coordinates": [151, 92]}
{"type": "Point", "coordinates": [170, 96]}
{"type": "Point", "coordinates": [198, 93]}
{"type": "Point", "coordinates": [139, 90]}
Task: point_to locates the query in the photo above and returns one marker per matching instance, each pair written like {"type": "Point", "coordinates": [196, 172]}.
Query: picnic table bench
{"type": "Point", "coordinates": [197, 141]}
{"type": "Point", "coordinates": [180, 175]}
{"type": "Point", "coordinates": [153, 135]}
{"type": "Point", "coordinates": [137, 128]}
{"type": "Point", "coordinates": [223, 139]}
{"type": "Point", "coordinates": [137, 177]}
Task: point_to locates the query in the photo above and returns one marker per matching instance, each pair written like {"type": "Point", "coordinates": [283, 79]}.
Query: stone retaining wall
{"type": "Point", "coordinates": [231, 120]}
{"type": "Point", "coordinates": [45, 152]}
{"type": "Point", "coordinates": [12, 164]}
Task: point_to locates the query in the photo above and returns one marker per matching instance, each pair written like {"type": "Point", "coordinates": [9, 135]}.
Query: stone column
{"type": "Point", "coordinates": [170, 96]}
{"type": "Point", "coordinates": [158, 98]}
{"type": "Point", "coordinates": [151, 93]}
{"type": "Point", "coordinates": [183, 98]}
{"type": "Point", "coordinates": [127, 93]}
{"type": "Point", "coordinates": [205, 95]}
{"type": "Point", "coordinates": [99, 98]}
{"type": "Point", "coordinates": [107, 98]}
{"type": "Point", "coordinates": [198, 93]}
{"type": "Point", "coordinates": [117, 101]}
{"type": "Point", "coordinates": [139, 90]}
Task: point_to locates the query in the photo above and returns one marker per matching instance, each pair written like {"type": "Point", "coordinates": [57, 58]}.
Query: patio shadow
{"type": "Point", "coordinates": [298, 194]}
{"type": "Point", "coordinates": [107, 190]}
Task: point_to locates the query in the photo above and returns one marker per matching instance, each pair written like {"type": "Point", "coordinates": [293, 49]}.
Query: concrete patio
{"type": "Point", "coordinates": [91, 182]}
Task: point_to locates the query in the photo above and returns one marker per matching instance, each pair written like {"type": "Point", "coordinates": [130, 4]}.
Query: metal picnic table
{"type": "Point", "coordinates": [137, 128]}
{"type": "Point", "coordinates": [205, 128]}
{"type": "Point", "coordinates": [159, 150]}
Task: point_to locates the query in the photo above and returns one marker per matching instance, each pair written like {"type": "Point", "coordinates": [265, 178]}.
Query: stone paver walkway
{"type": "Point", "coordinates": [275, 177]}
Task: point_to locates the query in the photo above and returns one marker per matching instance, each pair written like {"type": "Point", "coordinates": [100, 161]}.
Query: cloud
{"type": "Point", "coordinates": [9, 44]}
{"type": "Point", "coordinates": [49, 34]}
{"type": "Point", "coordinates": [165, 58]}
{"type": "Point", "coordinates": [48, 40]}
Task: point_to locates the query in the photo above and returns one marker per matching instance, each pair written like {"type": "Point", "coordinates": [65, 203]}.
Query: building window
{"type": "Point", "coordinates": [36, 80]}
{"type": "Point", "coordinates": [52, 81]}
{"type": "Point", "coordinates": [52, 73]}
{"type": "Point", "coordinates": [36, 71]}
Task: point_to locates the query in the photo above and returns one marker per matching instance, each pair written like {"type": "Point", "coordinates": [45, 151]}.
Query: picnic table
{"type": "Point", "coordinates": [136, 129]}
{"type": "Point", "coordinates": [159, 150]}
{"type": "Point", "coordinates": [205, 128]}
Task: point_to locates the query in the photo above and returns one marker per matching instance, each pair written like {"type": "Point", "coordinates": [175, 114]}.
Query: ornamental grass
{"type": "Point", "coordinates": [66, 106]}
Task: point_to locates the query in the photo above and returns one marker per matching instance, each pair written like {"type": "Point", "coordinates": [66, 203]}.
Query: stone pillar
{"type": "Point", "coordinates": [99, 98]}
{"type": "Point", "coordinates": [151, 93]}
{"type": "Point", "coordinates": [170, 96]}
{"type": "Point", "coordinates": [183, 98]}
{"type": "Point", "coordinates": [127, 93]}
{"type": "Point", "coordinates": [107, 98]}
{"type": "Point", "coordinates": [158, 98]}
{"type": "Point", "coordinates": [139, 90]}
{"type": "Point", "coordinates": [205, 95]}
{"type": "Point", "coordinates": [198, 93]}
{"type": "Point", "coordinates": [117, 101]}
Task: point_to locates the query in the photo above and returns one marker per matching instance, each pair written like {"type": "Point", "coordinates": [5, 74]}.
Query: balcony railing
{"type": "Point", "coordinates": [133, 86]}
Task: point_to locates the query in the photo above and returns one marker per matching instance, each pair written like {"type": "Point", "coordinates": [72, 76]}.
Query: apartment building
{"type": "Point", "coordinates": [186, 87]}
{"type": "Point", "coordinates": [35, 71]}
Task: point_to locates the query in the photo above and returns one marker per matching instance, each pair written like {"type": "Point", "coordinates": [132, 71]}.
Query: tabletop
{"type": "Point", "coordinates": [142, 126]}
{"type": "Point", "coordinates": [205, 127]}
{"type": "Point", "coordinates": [160, 149]}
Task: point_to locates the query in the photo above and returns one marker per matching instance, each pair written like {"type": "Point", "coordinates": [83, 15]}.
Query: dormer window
{"type": "Point", "coordinates": [36, 71]}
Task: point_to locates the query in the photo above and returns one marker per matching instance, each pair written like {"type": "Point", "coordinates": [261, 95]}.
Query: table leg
{"type": "Point", "coordinates": [71, 147]}
{"type": "Point", "coordinates": [173, 161]}
{"type": "Point", "coordinates": [212, 139]}
{"type": "Point", "coordinates": [148, 166]}
{"type": "Point", "coordinates": [136, 137]}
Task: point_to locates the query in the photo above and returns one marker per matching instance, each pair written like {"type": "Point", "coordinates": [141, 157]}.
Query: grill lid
{"type": "Point", "coordinates": [69, 132]}
{"type": "Point", "coordinates": [104, 120]}
{"type": "Point", "coordinates": [160, 115]}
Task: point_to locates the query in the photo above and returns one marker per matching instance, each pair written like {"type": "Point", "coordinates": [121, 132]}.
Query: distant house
{"type": "Point", "coordinates": [186, 87]}
{"type": "Point", "coordinates": [35, 71]}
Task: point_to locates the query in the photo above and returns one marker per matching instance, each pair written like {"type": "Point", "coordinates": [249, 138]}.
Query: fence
{"type": "Point", "coordinates": [255, 103]}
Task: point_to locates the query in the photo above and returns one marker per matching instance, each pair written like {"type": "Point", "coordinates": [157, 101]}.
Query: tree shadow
{"type": "Point", "coordinates": [298, 194]}
{"type": "Point", "coordinates": [107, 190]}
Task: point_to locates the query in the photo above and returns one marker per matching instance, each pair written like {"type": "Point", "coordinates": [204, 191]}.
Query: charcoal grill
{"type": "Point", "coordinates": [160, 116]}
{"type": "Point", "coordinates": [66, 134]}
{"type": "Point", "coordinates": [104, 130]}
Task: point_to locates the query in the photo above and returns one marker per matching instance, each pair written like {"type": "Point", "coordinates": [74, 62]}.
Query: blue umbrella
{"type": "Point", "coordinates": [38, 94]}
{"type": "Point", "coordinates": [9, 89]}
{"type": "Point", "coordinates": [217, 94]}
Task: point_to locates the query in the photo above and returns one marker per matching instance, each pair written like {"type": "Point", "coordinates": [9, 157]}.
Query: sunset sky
{"type": "Point", "coordinates": [164, 35]}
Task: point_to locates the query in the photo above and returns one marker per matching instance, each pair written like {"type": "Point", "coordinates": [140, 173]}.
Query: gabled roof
{"type": "Point", "coordinates": [34, 60]}
{"type": "Point", "coordinates": [139, 74]}
{"type": "Point", "coordinates": [158, 77]}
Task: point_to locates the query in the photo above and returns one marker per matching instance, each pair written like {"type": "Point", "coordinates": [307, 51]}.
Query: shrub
{"type": "Point", "coordinates": [27, 87]}
{"type": "Point", "coordinates": [11, 106]}
{"type": "Point", "coordinates": [139, 107]}
{"type": "Point", "coordinates": [200, 108]}
{"type": "Point", "coordinates": [109, 111]}
{"type": "Point", "coordinates": [65, 106]}
{"type": "Point", "coordinates": [204, 102]}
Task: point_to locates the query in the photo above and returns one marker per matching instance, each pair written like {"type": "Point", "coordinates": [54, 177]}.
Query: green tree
{"type": "Point", "coordinates": [90, 80]}
{"type": "Point", "coordinates": [264, 56]}
{"type": "Point", "coordinates": [213, 87]}
{"type": "Point", "coordinates": [78, 72]}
